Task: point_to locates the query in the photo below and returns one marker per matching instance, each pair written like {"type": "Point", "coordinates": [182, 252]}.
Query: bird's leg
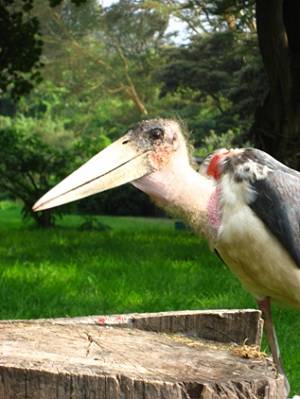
{"type": "Point", "coordinates": [265, 307]}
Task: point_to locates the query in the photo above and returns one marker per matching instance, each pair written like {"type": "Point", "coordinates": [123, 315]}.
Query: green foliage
{"type": "Point", "coordinates": [113, 57]}
{"type": "Point", "coordinates": [212, 142]}
{"type": "Point", "coordinates": [105, 69]}
{"type": "Point", "coordinates": [42, 143]}
{"type": "Point", "coordinates": [138, 30]}
{"type": "Point", "coordinates": [20, 46]}
{"type": "Point", "coordinates": [224, 85]}
{"type": "Point", "coordinates": [34, 155]}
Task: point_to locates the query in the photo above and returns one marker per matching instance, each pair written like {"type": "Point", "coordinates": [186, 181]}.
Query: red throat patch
{"type": "Point", "coordinates": [213, 167]}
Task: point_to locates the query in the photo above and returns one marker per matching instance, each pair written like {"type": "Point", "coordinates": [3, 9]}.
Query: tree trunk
{"type": "Point", "coordinates": [277, 121]}
{"type": "Point", "coordinates": [44, 219]}
{"type": "Point", "coordinates": [138, 356]}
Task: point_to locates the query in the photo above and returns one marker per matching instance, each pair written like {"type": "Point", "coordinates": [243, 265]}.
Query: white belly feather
{"type": "Point", "coordinates": [256, 256]}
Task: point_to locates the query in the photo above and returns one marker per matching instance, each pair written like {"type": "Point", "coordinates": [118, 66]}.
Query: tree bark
{"type": "Point", "coordinates": [277, 121]}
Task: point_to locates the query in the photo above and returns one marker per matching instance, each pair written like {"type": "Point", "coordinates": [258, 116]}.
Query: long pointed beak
{"type": "Point", "coordinates": [119, 163]}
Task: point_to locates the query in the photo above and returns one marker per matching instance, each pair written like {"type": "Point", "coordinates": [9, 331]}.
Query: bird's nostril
{"type": "Point", "coordinates": [125, 141]}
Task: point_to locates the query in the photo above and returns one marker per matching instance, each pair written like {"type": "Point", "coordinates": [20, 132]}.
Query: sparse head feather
{"type": "Point", "coordinates": [178, 126]}
{"type": "Point", "coordinates": [163, 139]}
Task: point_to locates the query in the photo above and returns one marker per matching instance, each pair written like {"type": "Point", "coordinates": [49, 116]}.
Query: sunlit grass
{"type": "Point", "coordinates": [140, 265]}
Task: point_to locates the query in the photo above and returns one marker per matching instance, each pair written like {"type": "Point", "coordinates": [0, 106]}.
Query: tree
{"type": "Point", "coordinates": [214, 15]}
{"type": "Point", "coordinates": [276, 128]}
{"type": "Point", "coordinates": [86, 101]}
{"type": "Point", "coordinates": [113, 56]}
{"type": "Point", "coordinates": [20, 46]}
{"type": "Point", "coordinates": [224, 85]}
{"type": "Point", "coordinates": [34, 155]}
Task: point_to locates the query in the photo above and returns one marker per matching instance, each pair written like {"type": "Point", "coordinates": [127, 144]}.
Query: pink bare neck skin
{"type": "Point", "coordinates": [183, 192]}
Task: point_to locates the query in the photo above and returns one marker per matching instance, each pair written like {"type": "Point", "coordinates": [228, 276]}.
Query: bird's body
{"type": "Point", "coordinates": [255, 256]}
{"type": "Point", "coordinates": [222, 210]}
{"type": "Point", "coordinates": [253, 237]}
{"type": "Point", "coordinates": [243, 201]}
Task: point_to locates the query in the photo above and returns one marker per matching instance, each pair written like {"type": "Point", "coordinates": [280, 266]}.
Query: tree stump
{"type": "Point", "coordinates": [138, 356]}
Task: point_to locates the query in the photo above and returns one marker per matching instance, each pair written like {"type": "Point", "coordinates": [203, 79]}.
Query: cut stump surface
{"type": "Point", "coordinates": [53, 359]}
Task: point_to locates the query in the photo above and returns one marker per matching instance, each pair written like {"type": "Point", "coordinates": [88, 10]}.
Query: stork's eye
{"type": "Point", "coordinates": [156, 133]}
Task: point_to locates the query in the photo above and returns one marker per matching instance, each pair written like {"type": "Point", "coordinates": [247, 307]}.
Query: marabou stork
{"type": "Point", "coordinates": [243, 201]}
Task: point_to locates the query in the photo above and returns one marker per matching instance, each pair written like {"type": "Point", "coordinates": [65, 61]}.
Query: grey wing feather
{"type": "Point", "coordinates": [277, 203]}
{"type": "Point", "coordinates": [266, 159]}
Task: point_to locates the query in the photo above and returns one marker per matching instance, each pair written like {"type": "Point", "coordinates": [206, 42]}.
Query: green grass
{"type": "Point", "coordinates": [141, 265]}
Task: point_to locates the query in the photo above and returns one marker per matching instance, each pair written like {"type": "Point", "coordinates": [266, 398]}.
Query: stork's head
{"type": "Point", "coordinates": [141, 156]}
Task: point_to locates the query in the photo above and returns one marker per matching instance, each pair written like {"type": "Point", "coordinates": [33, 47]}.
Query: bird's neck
{"type": "Point", "coordinates": [182, 192]}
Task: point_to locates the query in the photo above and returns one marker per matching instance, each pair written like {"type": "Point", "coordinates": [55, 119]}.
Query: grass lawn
{"type": "Point", "coordinates": [140, 265]}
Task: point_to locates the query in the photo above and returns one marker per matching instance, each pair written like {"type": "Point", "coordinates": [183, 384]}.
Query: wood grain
{"type": "Point", "coordinates": [79, 359]}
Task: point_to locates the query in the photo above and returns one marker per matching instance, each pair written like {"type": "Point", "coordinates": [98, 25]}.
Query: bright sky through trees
{"type": "Point", "coordinates": [175, 24]}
